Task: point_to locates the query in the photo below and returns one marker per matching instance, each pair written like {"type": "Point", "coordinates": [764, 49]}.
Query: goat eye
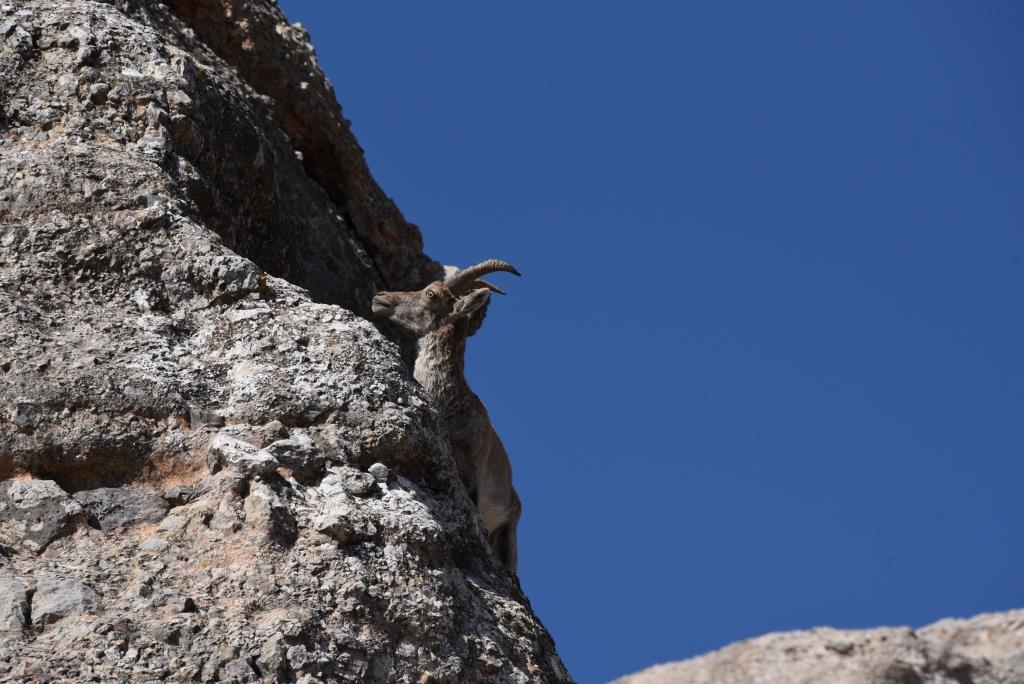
{"type": "Point", "coordinates": [431, 294]}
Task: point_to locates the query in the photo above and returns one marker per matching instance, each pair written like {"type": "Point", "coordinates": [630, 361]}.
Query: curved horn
{"type": "Point", "coordinates": [458, 281]}
{"type": "Point", "coordinates": [480, 282]}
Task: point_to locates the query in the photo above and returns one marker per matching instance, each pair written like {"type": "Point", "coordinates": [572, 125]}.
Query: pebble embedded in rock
{"type": "Point", "coordinates": [345, 522]}
{"type": "Point", "coordinates": [379, 472]}
{"type": "Point", "coordinates": [299, 453]}
{"type": "Point", "coordinates": [199, 417]}
{"type": "Point", "coordinates": [173, 523]}
{"type": "Point", "coordinates": [239, 670]}
{"type": "Point", "coordinates": [349, 480]}
{"type": "Point", "coordinates": [98, 92]}
{"type": "Point", "coordinates": [154, 544]}
{"type": "Point", "coordinates": [274, 430]}
{"type": "Point", "coordinates": [184, 604]}
{"type": "Point", "coordinates": [179, 495]}
{"type": "Point", "coordinates": [273, 656]}
{"type": "Point", "coordinates": [26, 415]}
{"type": "Point", "coordinates": [265, 512]}
{"type": "Point", "coordinates": [241, 457]}
{"type": "Point", "coordinates": [297, 656]}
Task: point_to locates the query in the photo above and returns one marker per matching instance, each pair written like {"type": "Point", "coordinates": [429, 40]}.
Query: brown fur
{"type": "Point", "coordinates": [441, 322]}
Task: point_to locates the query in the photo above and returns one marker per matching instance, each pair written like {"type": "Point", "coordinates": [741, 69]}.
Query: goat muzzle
{"type": "Point", "coordinates": [382, 304]}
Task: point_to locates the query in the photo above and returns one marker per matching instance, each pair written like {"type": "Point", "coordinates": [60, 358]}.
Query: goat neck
{"type": "Point", "coordinates": [440, 364]}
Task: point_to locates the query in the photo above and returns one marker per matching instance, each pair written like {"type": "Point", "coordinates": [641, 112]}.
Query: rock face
{"type": "Point", "coordinates": [212, 468]}
{"type": "Point", "coordinates": [14, 607]}
{"type": "Point", "coordinates": [35, 512]}
{"type": "Point", "coordinates": [114, 507]}
{"type": "Point", "coordinates": [987, 649]}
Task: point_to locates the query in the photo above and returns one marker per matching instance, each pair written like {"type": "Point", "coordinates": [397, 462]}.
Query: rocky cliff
{"type": "Point", "coordinates": [212, 468]}
{"type": "Point", "coordinates": [987, 649]}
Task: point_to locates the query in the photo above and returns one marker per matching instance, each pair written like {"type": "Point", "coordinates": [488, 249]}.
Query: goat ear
{"type": "Point", "coordinates": [469, 304]}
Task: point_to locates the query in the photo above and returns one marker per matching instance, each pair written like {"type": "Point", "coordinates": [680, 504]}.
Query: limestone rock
{"type": "Point", "coordinates": [379, 472]}
{"type": "Point", "coordinates": [299, 454]}
{"type": "Point", "coordinates": [342, 480]}
{"type": "Point", "coordinates": [14, 605]}
{"type": "Point", "coordinates": [265, 512]}
{"type": "Point", "coordinates": [986, 649]}
{"type": "Point", "coordinates": [189, 242]}
{"type": "Point", "coordinates": [113, 507]}
{"type": "Point", "coordinates": [240, 456]}
{"type": "Point", "coordinates": [346, 522]}
{"type": "Point", "coordinates": [272, 658]}
{"type": "Point", "coordinates": [55, 599]}
{"type": "Point", "coordinates": [35, 512]}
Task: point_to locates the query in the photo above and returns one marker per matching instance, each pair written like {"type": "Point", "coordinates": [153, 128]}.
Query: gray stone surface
{"type": "Point", "coordinates": [379, 472]}
{"type": "Point", "coordinates": [265, 511]}
{"type": "Point", "coordinates": [345, 521]}
{"type": "Point", "coordinates": [986, 649]}
{"type": "Point", "coordinates": [299, 454]}
{"type": "Point", "coordinates": [241, 456]}
{"type": "Point", "coordinates": [188, 236]}
{"type": "Point", "coordinates": [14, 606]}
{"type": "Point", "coordinates": [55, 599]}
{"type": "Point", "coordinates": [347, 480]}
{"type": "Point", "coordinates": [114, 507]}
{"type": "Point", "coordinates": [35, 512]}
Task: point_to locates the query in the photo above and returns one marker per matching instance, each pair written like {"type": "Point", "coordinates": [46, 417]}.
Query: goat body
{"type": "Point", "coordinates": [441, 316]}
{"type": "Point", "coordinates": [480, 457]}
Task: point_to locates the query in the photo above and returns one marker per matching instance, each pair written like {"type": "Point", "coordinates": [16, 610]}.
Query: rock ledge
{"type": "Point", "coordinates": [985, 649]}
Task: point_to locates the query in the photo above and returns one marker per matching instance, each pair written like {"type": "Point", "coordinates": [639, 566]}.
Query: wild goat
{"type": "Point", "coordinates": [441, 316]}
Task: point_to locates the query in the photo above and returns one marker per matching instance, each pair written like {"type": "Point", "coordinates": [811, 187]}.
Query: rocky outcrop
{"type": "Point", "coordinates": [214, 468]}
{"type": "Point", "coordinates": [987, 649]}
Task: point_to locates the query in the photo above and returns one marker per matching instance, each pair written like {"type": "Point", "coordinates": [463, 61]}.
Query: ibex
{"type": "Point", "coordinates": [441, 316]}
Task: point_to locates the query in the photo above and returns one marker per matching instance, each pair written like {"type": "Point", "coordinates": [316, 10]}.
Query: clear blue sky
{"type": "Point", "coordinates": [765, 366]}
